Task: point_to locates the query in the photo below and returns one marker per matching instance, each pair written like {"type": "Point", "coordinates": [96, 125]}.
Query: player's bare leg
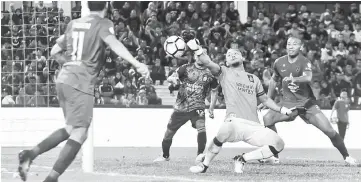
{"type": "Point", "coordinates": [27, 156]}
{"type": "Point", "coordinates": [68, 153]}
{"type": "Point", "coordinates": [320, 121]}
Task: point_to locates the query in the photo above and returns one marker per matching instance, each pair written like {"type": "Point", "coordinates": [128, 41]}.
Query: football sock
{"type": "Point", "coordinates": [213, 150]}
{"type": "Point", "coordinates": [50, 142]}
{"type": "Point", "coordinates": [261, 153]}
{"type": "Point", "coordinates": [166, 147]}
{"type": "Point", "coordinates": [66, 157]}
{"type": "Point", "coordinates": [202, 141]}
{"type": "Point", "coordinates": [337, 141]}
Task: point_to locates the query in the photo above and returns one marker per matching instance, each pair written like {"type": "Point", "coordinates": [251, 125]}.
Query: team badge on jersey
{"type": "Point", "coordinates": [298, 69]}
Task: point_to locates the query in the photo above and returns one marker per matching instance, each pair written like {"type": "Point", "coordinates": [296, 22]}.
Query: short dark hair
{"type": "Point", "coordinates": [97, 5]}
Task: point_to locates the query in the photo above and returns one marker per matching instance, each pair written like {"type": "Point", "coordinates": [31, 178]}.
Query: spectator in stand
{"type": "Point", "coordinates": [118, 85]}
{"type": "Point", "coordinates": [340, 84]}
{"type": "Point", "coordinates": [151, 94]}
{"type": "Point", "coordinates": [357, 84]}
{"type": "Point", "coordinates": [158, 72]}
{"type": "Point", "coordinates": [22, 98]}
{"type": "Point", "coordinates": [357, 31]}
{"type": "Point", "coordinates": [106, 91]}
{"type": "Point", "coordinates": [98, 100]}
{"type": "Point", "coordinates": [141, 98]}
{"type": "Point", "coordinates": [7, 97]}
{"type": "Point", "coordinates": [76, 11]}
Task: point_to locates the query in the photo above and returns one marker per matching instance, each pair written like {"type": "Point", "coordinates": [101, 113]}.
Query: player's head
{"type": "Point", "coordinates": [234, 58]}
{"type": "Point", "coordinates": [294, 46]}
{"type": "Point", "coordinates": [343, 94]}
{"type": "Point", "coordinates": [97, 6]}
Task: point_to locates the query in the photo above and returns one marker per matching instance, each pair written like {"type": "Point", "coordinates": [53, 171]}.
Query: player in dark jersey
{"type": "Point", "coordinates": [295, 74]}
{"type": "Point", "coordinates": [342, 106]}
{"type": "Point", "coordinates": [81, 51]}
{"type": "Point", "coordinates": [196, 82]}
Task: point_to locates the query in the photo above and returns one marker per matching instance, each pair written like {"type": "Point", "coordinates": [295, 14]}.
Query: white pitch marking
{"type": "Point", "coordinates": [152, 176]}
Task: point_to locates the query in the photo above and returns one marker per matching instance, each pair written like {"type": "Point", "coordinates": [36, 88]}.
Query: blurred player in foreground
{"type": "Point", "coordinates": [342, 106]}
{"type": "Point", "coordinates": [196, 81]}
{"type": "Point", "coordinates": [241, 91]}
{"type": "Point", "coordinates": [295, 74]}
{"type": "Point", "coordinates": [81, 51]}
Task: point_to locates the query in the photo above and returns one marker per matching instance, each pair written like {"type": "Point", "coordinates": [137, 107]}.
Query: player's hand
{"type": "Point", "coordinates": [286, 111]}
{"type": "Point", "coordinates": [143, 70]}
{"type": "Point", "coordinates": [289, 78]}
{"type": "Point", "coordinates": [211, 113]}
{"type": "Point", "coordinates": [192, 43]}
{"type": "Point", "coordinates": [188, 35]}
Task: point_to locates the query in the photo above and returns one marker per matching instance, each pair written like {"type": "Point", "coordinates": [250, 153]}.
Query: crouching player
{"type": "Point", "coordinates": [195, 81]}
{"type": "Point", "coordinates": [295, 74]}
{"type": "Point", "coordinates": [241, 91]}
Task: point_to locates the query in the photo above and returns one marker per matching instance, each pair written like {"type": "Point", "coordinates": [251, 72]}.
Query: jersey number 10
{"type": "Point", "coordinates": [78, 43]}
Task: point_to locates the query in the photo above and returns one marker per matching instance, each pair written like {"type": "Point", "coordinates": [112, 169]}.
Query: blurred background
{"type": "Point", "coordinates": [331, 32]}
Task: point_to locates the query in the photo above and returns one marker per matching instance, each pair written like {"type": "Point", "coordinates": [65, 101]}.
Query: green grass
{"type": "Point", "coordinates": [135, 164]}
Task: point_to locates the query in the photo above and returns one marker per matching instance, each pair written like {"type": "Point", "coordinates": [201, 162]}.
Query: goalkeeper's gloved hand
{"type": "Point", "coordinates": [286, 111]}
{"type": "Point", "coordinates": [192, 43]}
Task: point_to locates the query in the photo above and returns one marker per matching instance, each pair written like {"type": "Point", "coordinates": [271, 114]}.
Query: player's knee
{"type": "Point", "coordinates": [200, 126]}
{"type": "Point", "coordinates": [79, 134]}
{"type": "Point", "coordinates": [169, 134]}
{"type": "Point", "coordinates": [268, 119]}
{"type": "Point", "coordinates": [215, 146]}
{"type": "Point", "coordinates": [224, 132]}
{"type": "Point", "coordinates": [330, 132]}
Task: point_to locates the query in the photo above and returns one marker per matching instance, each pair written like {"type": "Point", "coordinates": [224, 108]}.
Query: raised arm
{"type": "Point", "coordinates": [107, 34]}
{"type": "Point", "coordinates": [201, 56]}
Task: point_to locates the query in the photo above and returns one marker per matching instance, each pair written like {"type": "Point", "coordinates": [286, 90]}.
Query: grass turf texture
{"type": "Point", "coordinates": [136, 164]}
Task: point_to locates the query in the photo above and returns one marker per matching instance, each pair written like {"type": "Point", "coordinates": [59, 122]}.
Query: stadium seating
{"type": "Point", "coordinates": [332, 42]}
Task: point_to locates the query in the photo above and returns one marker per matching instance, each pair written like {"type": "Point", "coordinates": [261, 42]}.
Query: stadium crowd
{"type": "Point", "coordinates": [332, 42]}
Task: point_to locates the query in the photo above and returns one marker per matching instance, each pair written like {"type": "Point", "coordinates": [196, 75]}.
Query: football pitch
{"type": "Point", "coordinates": [135, 164]}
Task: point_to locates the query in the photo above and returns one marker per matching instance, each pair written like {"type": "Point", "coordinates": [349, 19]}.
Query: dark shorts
{"type": "Point", "coordinates": [311, 110]}
{"type": "Point", "coordinates": [178, 119]}
{"type": "Point", "coordinates": [77, 106]}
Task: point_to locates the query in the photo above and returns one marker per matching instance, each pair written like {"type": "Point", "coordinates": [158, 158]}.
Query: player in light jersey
{"type": "Point", "coordinates": [342, 106]}
{"type": "Point", "coordinates": [295, 74]}
{"type": "Point", "coordinates": [241, 91]}
{"type": "Point", "coordinates": [196, 81]}
{"type": "Point", "coordinates": [81, 51]}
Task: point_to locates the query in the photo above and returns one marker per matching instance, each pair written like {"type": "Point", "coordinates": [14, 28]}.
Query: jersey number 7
{"type": "Point", "coordinates": [78, 43]}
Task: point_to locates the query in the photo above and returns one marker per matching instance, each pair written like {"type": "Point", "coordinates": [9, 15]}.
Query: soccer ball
{"type": "Point", "coordinates": [175, 46]}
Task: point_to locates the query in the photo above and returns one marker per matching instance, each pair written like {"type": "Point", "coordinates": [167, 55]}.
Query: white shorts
{"type": "Point", "coordinates": [237, 129]}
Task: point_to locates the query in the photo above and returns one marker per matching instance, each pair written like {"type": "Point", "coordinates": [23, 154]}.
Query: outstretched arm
{"type": "Point", "coordinates": [202, 57]}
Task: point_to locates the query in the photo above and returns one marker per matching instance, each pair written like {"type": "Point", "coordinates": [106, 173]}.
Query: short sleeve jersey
{"type": "Point", "coordinates": [84, 47]}
{"type": "Point", "coordinates": [296, 91]}
{"type": "Point", "coordinates": [195, 85]}
{"type": "Point", "coordinates": [342, 107]}
{"type": "Point", "coordinates": [241, 91]}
